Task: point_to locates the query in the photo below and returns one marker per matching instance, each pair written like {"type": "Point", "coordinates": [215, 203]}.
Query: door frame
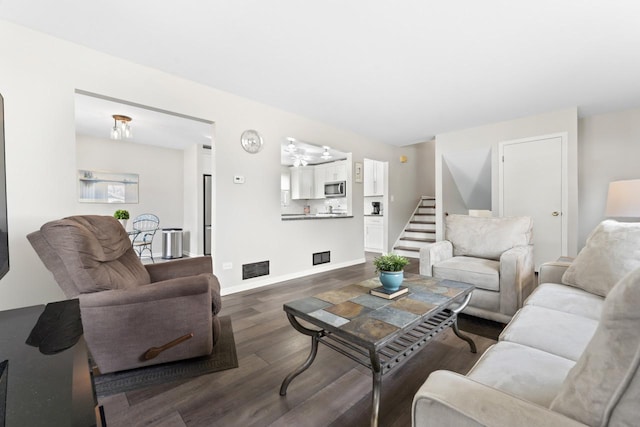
{"type": "Point", "coordinates": [204, 214]}
{"type": "Point", "coordinates": [564, 190]}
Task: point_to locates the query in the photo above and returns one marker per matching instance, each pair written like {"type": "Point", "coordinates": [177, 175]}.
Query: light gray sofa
{"type": "Point", "coordinates": [569, 357]}
{"type": "Point", "coordinates": [493, 253]}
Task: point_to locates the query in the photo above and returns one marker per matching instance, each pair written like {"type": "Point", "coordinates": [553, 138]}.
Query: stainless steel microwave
{"type": "Point", "coordinates": [335, 189]}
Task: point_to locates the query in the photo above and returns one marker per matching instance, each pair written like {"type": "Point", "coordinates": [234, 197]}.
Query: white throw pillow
{"type": "Point", "coordinates": [612, 251]}
{"type": "Point", "coordinates": [603, 387]}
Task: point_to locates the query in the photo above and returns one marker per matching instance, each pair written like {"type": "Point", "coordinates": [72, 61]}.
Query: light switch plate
{"type": "Point", "coordinates": [238, 179]}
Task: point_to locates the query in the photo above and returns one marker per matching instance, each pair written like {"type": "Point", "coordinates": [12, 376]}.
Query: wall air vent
{"type": "Point", "coordinates": [321, 257]}
{"type": "Point", "coordinates": [257, 269]}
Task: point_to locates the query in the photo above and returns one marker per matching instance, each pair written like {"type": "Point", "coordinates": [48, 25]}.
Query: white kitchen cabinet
{"type": "Point", "coordinates": [373, 232]}
{"type": "Point", "coordinates": [307, 182]}
{"type": "Point", "coordinates": [319, 172]}
{"type": "Point", "coordinates": [336, 171]}
{"type": "Point", "coordinates": [302, 183]}
{"type": "Point", "coordinates": [373, 178]}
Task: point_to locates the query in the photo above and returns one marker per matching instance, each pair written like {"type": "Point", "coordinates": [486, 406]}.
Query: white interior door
{"type": "Point", "coordinates": [533, 183]}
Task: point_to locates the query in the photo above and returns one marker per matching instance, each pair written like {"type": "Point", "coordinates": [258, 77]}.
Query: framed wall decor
{"type": "Point", "coordinates": [357, 172]}
{"type": "Point", "coordinates": [107, 187]}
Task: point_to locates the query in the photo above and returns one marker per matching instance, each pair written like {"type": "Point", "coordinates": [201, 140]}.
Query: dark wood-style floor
{"type": "Point", "coordinates": [335, 391]}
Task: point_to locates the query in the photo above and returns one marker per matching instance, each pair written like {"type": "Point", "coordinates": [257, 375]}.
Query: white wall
{"type": "Point", "coordinates": [609, 150]}
{"type": "Point", "coordinates": [489, 136]}
{"type": "Point", "coordinates": [426, 158]}
{"type": "Point", "coordinates": [38, 79]}
{"type": "Point", "coordinates": [160, 179]}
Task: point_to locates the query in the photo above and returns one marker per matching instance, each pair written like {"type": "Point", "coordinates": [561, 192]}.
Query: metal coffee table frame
{"type": "Point", "coordinates": [383, 356]}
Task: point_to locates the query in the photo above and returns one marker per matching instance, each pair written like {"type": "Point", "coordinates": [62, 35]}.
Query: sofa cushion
{"type": "Point", "coordinates": [483, 273]}
{"type": "Point", "coordinates": [566, 299]}
{"type": "Point", "coordinates": [487, 237]}
{"type": "Point", "coordinates": [96, 253]}
{"type": "Point", "coordinates": [528, 373]}
{"type": "Point", "coordinates": [604, 382]}
{"type": "Point", "coordinates": [612, 250]}
{"type": "Point", "coordinates": [553, 331]}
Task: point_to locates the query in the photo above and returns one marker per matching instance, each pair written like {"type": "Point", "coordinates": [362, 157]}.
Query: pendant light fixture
{"type": "Point", "coordinates": [121, 127]}
{"type": "Point", "coordinates": [291, 147]}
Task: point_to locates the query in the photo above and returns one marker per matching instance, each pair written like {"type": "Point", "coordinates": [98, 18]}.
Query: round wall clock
{"type": "Point", "coordinates": [251, 141]}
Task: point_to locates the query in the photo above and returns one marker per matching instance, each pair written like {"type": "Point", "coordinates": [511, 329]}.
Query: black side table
{"type": "Point", "coordinates": [44, 390]}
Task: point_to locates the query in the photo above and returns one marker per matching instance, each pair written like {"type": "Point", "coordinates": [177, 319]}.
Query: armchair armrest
{"type": "Point", "coordinates": [179, 268]}
{"type": "Point", "coordinates": [450, 399]}
{"type": "Point", "coordinates": [517, 278]}
{"type": "Point", "coordinates": [433, 254]}
{"type": "Point", "coordinates": [121, 325]}
{"type": "Point", "coordinates": [188, 268]}
{"type": "Point", "coordinates": [551, 272]}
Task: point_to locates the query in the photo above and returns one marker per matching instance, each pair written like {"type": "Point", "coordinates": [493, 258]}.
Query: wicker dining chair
{"type": "Point", "coordinates": [145, 227]}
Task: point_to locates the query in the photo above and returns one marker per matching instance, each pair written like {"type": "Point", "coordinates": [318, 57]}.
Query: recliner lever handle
{"type": "Point", "coordinates": [155, 351]}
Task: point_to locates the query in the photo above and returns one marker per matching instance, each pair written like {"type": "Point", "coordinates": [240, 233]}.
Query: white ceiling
{"type": "Point", "coordinates": [151, 127]}
{"type": "Point", "coordinates": [311, 153]}
{"type": "Point", "coordinates": [397, 71]}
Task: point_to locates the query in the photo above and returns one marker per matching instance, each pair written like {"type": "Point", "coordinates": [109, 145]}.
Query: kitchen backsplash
{"type": "Point", "coordinates": [339, 205]}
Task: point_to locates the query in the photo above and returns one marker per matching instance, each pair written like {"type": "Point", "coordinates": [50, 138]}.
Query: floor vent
{"type": "Point", "coordinates": [257, 269]}
{"type": "Point", "coordinates": [321, 258]}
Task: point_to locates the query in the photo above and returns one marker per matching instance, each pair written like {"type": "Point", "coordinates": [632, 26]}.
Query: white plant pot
{"type": "Point", "coordinates": [124, 223]}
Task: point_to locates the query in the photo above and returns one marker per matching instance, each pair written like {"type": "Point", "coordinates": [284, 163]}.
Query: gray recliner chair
{"type": "Point", "coordinates": [133, 315]}
{"type": "Point", "coordinates": [493, 253]}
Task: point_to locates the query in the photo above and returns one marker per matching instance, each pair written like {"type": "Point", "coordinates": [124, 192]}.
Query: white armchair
{"type": "Point", "coordinates": [494, 254]}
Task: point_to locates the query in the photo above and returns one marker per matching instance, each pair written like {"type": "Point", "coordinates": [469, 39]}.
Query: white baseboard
{"type": "Point", "coordinates": [277, 279]}
{"type": "Point", "coordinates": [190, 254]}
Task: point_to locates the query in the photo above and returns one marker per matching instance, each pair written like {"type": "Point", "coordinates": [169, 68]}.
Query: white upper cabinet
{"type": "Point", "coordinates": [319, 177]}
{"type": "Point", "coordinates": [373, 178]}
{"type": "Point", "coordinates": [307, 182]}
{"type": "Point", "coordinates": [302, 183]}
{"type": "Point", "coordinates": [336, 171]}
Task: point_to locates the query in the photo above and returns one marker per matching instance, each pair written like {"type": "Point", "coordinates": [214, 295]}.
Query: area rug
{"type": "Point", "coordinates": [223, 357]}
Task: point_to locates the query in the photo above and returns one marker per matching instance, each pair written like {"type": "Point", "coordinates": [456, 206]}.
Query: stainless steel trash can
{"type": "Point", "coordinates": [171, 243]}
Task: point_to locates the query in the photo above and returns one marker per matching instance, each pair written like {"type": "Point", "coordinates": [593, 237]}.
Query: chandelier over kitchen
{"type": "Point", "coordinates": [121, 127]}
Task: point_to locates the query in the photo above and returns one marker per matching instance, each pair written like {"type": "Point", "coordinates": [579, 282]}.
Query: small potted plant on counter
{"type": "Point", "coordinates": [122, 215]}
{"type": "Point", "coordinates": [391, 269]}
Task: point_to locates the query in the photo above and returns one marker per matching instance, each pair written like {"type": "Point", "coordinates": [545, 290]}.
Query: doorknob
{"type": "Point", "coordinates": [555, 213]}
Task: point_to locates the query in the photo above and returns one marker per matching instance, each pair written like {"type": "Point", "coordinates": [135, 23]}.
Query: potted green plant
{"type": "Point", "coordinates": [122, 215]}
{"type": "Point", "coordinates": [391, 269]}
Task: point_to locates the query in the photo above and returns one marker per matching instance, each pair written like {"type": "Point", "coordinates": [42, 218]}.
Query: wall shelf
{"type": "Point", "coordinates": [107, 187]}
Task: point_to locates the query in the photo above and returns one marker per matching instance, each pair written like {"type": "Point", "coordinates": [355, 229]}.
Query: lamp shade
{"type": "Point", "coordinates": [623, 199]}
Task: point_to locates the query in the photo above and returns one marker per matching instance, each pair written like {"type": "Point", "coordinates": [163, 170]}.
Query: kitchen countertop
{"type": "Point", "coordinates": [292, 217]}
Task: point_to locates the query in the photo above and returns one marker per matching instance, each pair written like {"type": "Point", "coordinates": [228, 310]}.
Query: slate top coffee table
{"type": "Point", "coordinates": [375, 332]}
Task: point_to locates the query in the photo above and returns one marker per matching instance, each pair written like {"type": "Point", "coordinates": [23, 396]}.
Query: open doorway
{"type": "Point", "coordinates": [165, 150]}
{"type": "Point", "coordinates": [208, 206]}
